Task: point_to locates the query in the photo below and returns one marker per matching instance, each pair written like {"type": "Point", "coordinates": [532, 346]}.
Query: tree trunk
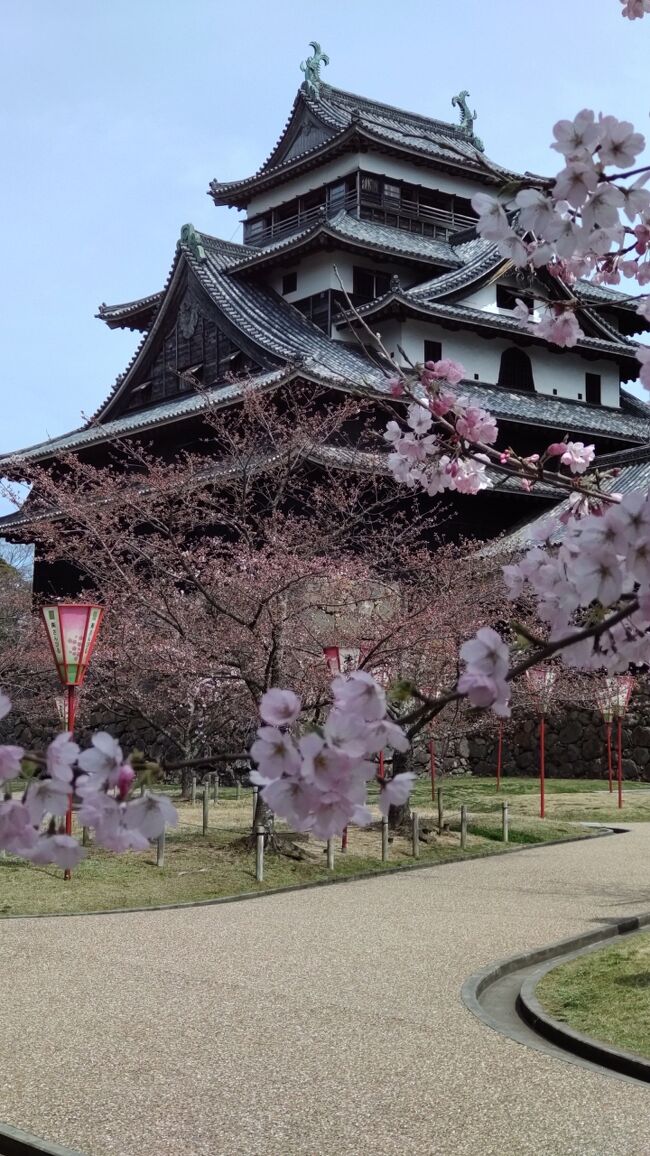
{"type": "Point", "coordinates": [400, 817]}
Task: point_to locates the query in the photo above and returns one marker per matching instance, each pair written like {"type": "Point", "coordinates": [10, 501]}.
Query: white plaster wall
{"type": "Point", "coordinates": [378, 163]}
{"type": "Point", "coordinates": [564, 372]}
{"type": "Point", "coordinates": [316, 272]}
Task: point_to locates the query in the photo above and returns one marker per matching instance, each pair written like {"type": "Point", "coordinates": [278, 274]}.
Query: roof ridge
{"type": "Point", "coordinates": [456, 130]}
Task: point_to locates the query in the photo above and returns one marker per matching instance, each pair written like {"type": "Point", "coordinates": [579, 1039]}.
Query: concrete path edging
{"type": "Point", "coordinates": [356, 877]}
{"type": "Point", "coordinates": [607, 1056]}
{"type": "Point", "coordinates": [13, 1142]}
{"type": "Point", "coordinates": [525, 1020]}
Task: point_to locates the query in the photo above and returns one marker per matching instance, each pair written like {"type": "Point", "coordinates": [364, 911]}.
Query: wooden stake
{"type": "Point", "coordinates": [463, 827]}
{"type": "Point", "coordinates": [415, 820]}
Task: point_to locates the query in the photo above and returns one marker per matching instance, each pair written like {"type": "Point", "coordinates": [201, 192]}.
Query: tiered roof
{"type": "Point", "coordinates": [285, 346]}
{"type": "Point", "coordinates": [325, 122]}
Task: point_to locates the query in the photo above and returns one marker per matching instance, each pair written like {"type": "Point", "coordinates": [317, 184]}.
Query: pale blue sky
{"type": "Point", "coordinates": [115, 114]}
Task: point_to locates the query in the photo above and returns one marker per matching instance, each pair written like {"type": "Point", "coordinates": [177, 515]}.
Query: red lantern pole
{"type": "Point", "coordinates": [619, 737]}
{"type": "Point", "coordinates": [381, 766]}
{"type": "Point", "coordinates": [542, 808]}
{"type": "Point", "coordinates": [72, 633]}
{"type": "Point", "coordinates": [608, 732]}
{"type": "Point", "coordinates": [432, 764]}
{"type": "Point", "coordinates": [499, 754]}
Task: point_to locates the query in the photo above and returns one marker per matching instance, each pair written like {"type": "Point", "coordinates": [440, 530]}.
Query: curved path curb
{"type": "Point", "coordinates": [13, 1142]}
{"type": "Point", "coordinates": [565, 1037]}
{"type": "Point", "coordinates": [519, 1015]}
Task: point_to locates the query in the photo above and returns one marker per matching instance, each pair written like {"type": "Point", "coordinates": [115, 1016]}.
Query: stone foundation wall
{"type": "Point", "coordinates": [575, 745]}
{"type": "Point", "coordinates": [575, 742]}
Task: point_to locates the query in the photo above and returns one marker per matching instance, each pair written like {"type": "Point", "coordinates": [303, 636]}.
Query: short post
{"type": "Point", "coordinates": [255, 794]}
{"type": "Point", "coordinates": [463, 827]}
{"type": "Point", "coordinates": [206, 809]}
{"type": "Point", "coordinates": [441, 810]}
{"type": "Point", "coordinates": [259, 854]}
{"type": "Point", "coordinates": [330, 854]}
{"type": "Point", "coordinates": [215, 787]}
{"type": "Point", "coordinates": [160, 850]}
{"type": "Point", "coordinates": [344, 839]}
{"type": "Point", "coordinates": [238, 790]}
{"type": "Point", "coordinates": [384, 839]}
{"type": "Point", "coordinates": [193, 795]}
{"type": "Point", "coordinates": [415, 820]}
{"type": "Point", "coordinates": [504, 822]}
{"type": "Point", "coordinates": [84, 836]}
{"type": "Point", "coordinates": [142, 789]}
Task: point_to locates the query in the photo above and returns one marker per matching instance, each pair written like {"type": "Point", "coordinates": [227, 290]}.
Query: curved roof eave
{"type": "Point", "coordinates": [238, 193]}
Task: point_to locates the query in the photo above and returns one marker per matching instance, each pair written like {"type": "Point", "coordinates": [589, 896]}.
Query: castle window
{"type": "Point", "coordinates": [507, 298]}
{"type": "Point", "coordinates": [593, 388]}
{"type": "Point", "coordinates": [366, 285]}
{"type": "Point", "coordinates": [516, 371]}
{"type": "Point", "coordinates": [289, 282]}
{"type": "Point", "coordinates": [432, 350]}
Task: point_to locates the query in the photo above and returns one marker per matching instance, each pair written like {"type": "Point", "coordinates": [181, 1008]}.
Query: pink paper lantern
{"type": "Point", "coordinates": [72, 630]}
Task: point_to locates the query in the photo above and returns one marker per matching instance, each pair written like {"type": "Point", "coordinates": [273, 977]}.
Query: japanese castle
{"type": "Point", "coordinates": [361, 197]}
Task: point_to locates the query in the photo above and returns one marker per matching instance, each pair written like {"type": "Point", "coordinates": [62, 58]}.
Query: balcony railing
{"type": "Point", "coordinates": [400, 213]}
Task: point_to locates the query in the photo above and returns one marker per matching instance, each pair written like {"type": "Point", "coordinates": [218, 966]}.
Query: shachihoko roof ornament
{"type": "Point", "coordinates": [191, 239]}
{"type": "Point", "coordinates": [467, 118]}
{"type": "Point", "coordinates": [311, 68]}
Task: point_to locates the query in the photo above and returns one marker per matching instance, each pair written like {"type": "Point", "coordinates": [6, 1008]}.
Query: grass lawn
{"type": "Point", "coordinates": [198, 867]}
{"type": "Point", "coordinates": [605, 995]}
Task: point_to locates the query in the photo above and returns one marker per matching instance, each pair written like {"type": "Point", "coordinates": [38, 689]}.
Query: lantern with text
{"type": "Point", "coordinates": [72, 630]}
{"type": "Point", "coordinates": [540, 683]}
{"type": "Point", "coordinates": [613, 700]}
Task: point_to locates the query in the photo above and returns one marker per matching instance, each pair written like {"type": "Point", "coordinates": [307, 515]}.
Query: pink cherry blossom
{"type": "Point", "coordinates": [619, 143]}
{"type": "Point", "coordinates": [61, 850]}
{"type": "Point", "coordinates": [419, 418]}
{"type": "Point", "coordinates": [486, 690]}
{"type": "Point", "coordinates": [103, 759]}
{"type": "Point", "coordinates": [562, 329]}
{"type": "Point", "coordinates": [445, 370]}
{"type": "Point", "coordinates": [10, 762]}
{"type": "Point", "coordinates": [394, 792]}
{"type": "Point", "coordinates": [46, 797]}
{"type": "Point", "coordinates": [61, 756]}
{"type": "Point", "coordinates": [556, 449]}
{"type": "Point", "coordinates": [443, 402]}
{"type": "Point", "coordinates": [477, 425]}
{"type": "Point", "coordinates": [635, 9]}
{"type": "Point", "coordinates": [576, 182]}
{"type": "Point", "coordinates": [486, 653]}
{"type": "Point", "coordinates": [150, 814]}
{"type": "Point", "coordinates": [643, 355]}
{"type": "Point", "coordinates": [577, 456]}
{"type": "Point", "coordinates": [280, 707]}
{"type": "Point", "coordinates": [360, 694]}
{"type": "Point", "coordinates": [578, 136]}
{"type": "Point", "coordinates": [493, 222]}
{"type": "Point", "coordinates": [275, 753]}
{"type": "Point", "coordinates": [125, 779]}
{"type": "Point", "coordinates": [17, 832]}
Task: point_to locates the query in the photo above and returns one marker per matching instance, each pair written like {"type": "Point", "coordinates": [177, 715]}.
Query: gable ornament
{"type": "Point", "coordinates": [467, 118]}
{"type": "Point", "coordinates": [188, 318]}
{"type": "Point", "coordinates": [311, 68]}
{"type": "Point", "coordinates": [190, 238]}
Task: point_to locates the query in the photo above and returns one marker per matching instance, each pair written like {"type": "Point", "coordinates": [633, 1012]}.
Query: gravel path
{"type": "Point", "coordinates": [316, 1023]}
